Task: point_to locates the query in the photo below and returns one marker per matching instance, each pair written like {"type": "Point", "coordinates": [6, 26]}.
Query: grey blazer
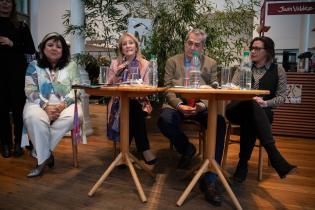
{"type": "Point", "coordinates": [174, 75]}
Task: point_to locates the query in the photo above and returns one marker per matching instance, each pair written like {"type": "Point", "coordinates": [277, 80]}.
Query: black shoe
{"type": "Point", "coordinates": [282, 167]}
{"type": "Point", "coordinates": [149, 157]}
{"type": "Point", "coordinates": [38, 170]}
{"type": "Point", "coordinates": [185, 160]}
{"type": "Point", "coordinates": [18, 151]}
{"type": "Point", "coordinates": [240, 173]}
{"type": "Point", "coordinates": [6, 151]}
{"type": "Point", "coordinates": [212, 195]}
{"type": "Point", "coordinates": [278, 162]}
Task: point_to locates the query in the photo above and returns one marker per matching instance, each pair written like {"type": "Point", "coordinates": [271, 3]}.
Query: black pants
{"type": "Point", "coordinates": [12, 100]}
{"type": "Point", "coordinates": [170, 120]}
{"type": "Point", "coordinates": [137, 127]}
{"type": "Point", "coordinates": [254, 121]}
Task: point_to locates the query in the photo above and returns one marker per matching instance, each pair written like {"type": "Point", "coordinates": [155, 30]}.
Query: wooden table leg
{"type": "Point", "coordinates": [105, 175]}
{"type": "Point", "coordinates": [192, 183]}
{"type": "Point", "coordinates": [210, 155]}
{"type": "Point", "coordinates": [142, 165]}
{"type": "Point", "coordinates": [124, 156]}
{"type": "Point", "coordinates": [136, 179]}
{"type": "Point", "coordinates": [226, 185]}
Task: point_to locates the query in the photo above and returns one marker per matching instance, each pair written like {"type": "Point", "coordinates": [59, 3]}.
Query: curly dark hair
{"type": "Point", "coordinates": [65, 58]}
{"type": "Point", "coordinates": [269, 46]}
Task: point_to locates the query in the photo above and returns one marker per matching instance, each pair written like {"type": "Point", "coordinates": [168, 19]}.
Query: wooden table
{"type": "Point", "coordinates": [213, 95]}
{"type": "Point", "coordinates": [124, 92]}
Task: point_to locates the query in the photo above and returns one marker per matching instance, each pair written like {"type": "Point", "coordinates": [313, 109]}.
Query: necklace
{"type": "Point", "coordinates": [52, 75]}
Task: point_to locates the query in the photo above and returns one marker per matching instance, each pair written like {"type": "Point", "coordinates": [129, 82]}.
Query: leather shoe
{"type": "Point", "coordinates": [212, 195]}
{"type": "Point", "coordinates": [38, 170]}
{"type": "Point", "coordinates": [6, 151]}
{"type": "Point", "coordinates": [240, 173]}
{"type": "Point", "coordinates": [148, 157]}
{"type": "Point", "coordinates": [18, 151]}
{"type": "Point", "coordinates": [185, 160]}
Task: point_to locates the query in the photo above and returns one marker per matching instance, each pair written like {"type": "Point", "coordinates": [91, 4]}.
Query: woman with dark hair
{"type": "Point", "coordinates": [15, 41]}
{"type": "Point", "coordinates": [49, 109]}
{"type": "Point", "coordinates": [255, 116]}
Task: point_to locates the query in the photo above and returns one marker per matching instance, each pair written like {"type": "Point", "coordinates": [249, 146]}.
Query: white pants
{"type": "Point", "coordinates": [45, 136]}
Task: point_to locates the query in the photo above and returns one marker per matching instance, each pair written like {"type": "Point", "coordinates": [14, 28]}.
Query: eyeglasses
{"type": "Point", "coordinates": [191, 43]}
{"type": "Point", "coordinates": [257, 49]}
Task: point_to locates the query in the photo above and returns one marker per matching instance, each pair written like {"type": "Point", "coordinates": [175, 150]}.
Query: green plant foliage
{"type": "Point", "coordinates": [104, 21]}
{"type": "Point", "coordinates": [229, 30]}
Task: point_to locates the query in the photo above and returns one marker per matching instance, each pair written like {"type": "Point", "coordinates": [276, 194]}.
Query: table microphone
{"type": "Point", "coordinates": [121, 68]}
{"type": "Point", "coordinates": [215, 85]}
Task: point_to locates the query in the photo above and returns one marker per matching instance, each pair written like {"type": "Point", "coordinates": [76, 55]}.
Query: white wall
{"type": "Point", "coordinates": [46, 17]}
{"type": "Point", "coordinates": [287, 31]}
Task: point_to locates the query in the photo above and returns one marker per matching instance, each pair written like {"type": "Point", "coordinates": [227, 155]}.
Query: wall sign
{"type": "Point", "coordinates": [294, 94]}
{"type": "Point", "coordinates": [291, 8]}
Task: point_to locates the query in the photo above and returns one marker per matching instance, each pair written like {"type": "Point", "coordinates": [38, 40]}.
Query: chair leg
{"type": "Point", "coordinates": [74, 151]}
{"type": "Point", "coordinates": [260, 163]}
{"type": "Point", "coordinates": [115, 149]}
{"type": "Point", "coordinates": [226, 145]}
{"type": "Point", "coordinates": [201, 138]}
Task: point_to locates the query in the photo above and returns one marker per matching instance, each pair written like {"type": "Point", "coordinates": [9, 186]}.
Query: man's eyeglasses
{"type": "Point", "coordinates": [191, 43]}
{"type": "Point", "coordinates": [257, 49]}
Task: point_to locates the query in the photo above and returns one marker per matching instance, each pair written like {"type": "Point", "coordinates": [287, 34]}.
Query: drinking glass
{"type": "Point", "coordinates": [103, 76]}
{"type": "Point", "coordinates": [225, 77]}
{"type": "Point", "coordinates": [134, 71]}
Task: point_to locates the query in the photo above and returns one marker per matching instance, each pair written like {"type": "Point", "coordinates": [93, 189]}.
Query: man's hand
{"type": "Point", "coordinates": [260, 101]}
{"type": "Point", "coordinates": [5, 41]}
{"type": "Point", "coordinates": [200, 107]}
{"type": "Point", "coordinates": [187, 110]}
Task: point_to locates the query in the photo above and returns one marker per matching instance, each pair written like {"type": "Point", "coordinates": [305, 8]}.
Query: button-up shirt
{"type": "Point", "coordinates": [258, 73]}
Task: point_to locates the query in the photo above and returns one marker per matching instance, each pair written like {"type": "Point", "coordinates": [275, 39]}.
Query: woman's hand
{"type": "Point", "coordinates": [5, 41]}
{"type": "Point", "coordinates": [260, 101]}
{"type": "Point", "coordinates": [53, 110]}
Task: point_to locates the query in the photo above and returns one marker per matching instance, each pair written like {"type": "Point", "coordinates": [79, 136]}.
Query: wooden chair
{"type": "Point", "coordinates": [233, 129]}
{"type": "Point", "coordinates": [200, 134]}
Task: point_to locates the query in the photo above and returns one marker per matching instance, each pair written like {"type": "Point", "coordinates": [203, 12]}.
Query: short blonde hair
{"type": "Point", "coordinates": [120, 42]}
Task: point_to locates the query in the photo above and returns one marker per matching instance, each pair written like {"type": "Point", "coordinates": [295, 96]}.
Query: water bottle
{"type": "Point", "coordinates": [194, 73]}
{"type": "Point", "coordinates": [246, 72]}
{"type": "Point", "coordinates": [153, 71]}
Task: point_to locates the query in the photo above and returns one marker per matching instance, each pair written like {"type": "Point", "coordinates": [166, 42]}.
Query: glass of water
{"type": "Point", "coordinates": [225, 77]}
{"type": "Point", "coordinates": [134, 75]}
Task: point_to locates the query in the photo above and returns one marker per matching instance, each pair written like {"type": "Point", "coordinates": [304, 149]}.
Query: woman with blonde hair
{"type": "Point", "coordinates": [130, 64]}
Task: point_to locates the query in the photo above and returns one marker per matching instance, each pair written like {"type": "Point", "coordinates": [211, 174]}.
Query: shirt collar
{"type": "Point", "coordinates": [266, 66]}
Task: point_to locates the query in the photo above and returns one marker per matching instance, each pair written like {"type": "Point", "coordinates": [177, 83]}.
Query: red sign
{"type": "Point", "coordinates": [291, 8]}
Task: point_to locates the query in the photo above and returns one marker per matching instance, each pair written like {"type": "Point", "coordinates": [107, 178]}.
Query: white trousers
{"type": "Point", "coordinates": [45, 136]}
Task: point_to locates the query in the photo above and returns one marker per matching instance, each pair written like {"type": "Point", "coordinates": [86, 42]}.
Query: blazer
{"type": "Point", "coordinates": [174, 75]}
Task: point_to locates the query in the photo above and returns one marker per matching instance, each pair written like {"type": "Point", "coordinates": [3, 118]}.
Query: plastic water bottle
{"type": "Point", "coordinates": [153, 72]}
{"type": "Point", "coordinates": [194, 73]}
{"type": "Point", "coordinates": [246, 72]}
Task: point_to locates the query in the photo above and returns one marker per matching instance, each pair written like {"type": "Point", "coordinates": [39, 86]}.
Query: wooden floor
{"type": "Point", "coordinates": [65, 187]}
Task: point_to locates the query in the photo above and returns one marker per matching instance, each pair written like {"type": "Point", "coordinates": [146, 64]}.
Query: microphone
{"type": "Point", "coordinates": [121, 68]}
{"type": "Point", "coordinates": [215, 85]}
